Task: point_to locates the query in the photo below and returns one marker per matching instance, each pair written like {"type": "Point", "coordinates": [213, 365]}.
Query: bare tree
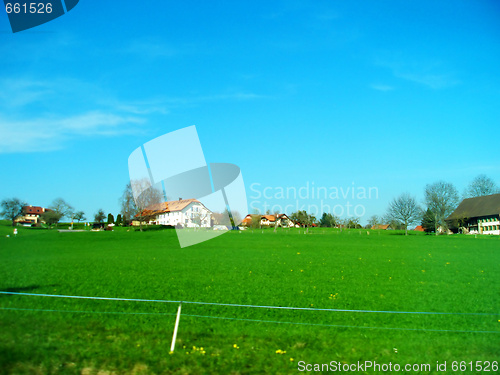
{"type": "Point", "coordinates": [221, 218]}
{"type": "Point", "coordinates": [227, 218]}
{"type": "Point", "coordinates": [147, 199]}
{"type": "Point", "coordinates": [405, 210]}
{"type": "Point", "coordinates": [128, 206]}
{"type": "Point", "coordinates": [62, 208]}
{"type": "Point", "coordinates": [12, 208]}
{"type": "Point", "coordinates": [480, 186]}
{"type": "Point", "coordinates": [441, 199]}
{"type": "Point", "coordinates": [237, 218]}
{"type": "Point", "coordinates": [79, 216]}
{"type": "Point", "coordinates": [59, 209]}
{"type": "Point", "coordinates": [374, 220]}
{"type": "Point", "coordinates": [200, 218]}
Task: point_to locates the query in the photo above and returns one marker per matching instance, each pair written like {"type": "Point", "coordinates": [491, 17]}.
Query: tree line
{"type": "Point", "coordinates": [440, 200]}
{"type": "Point", "coordinates": [13, 208]}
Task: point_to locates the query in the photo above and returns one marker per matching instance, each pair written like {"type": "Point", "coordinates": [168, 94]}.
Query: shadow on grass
{"type": "Point", "coordinates": [151, 228]}
{"type": "Point", "coordinates": [9, 357]}
{"type": "Point", "coordinates": [24, 289]}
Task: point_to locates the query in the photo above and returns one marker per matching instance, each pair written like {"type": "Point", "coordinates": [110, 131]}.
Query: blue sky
{"type": "Point", "coordinates": [385, 94]}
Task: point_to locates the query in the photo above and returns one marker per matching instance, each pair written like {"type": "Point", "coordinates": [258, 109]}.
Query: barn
{"type": "Point", "coordinates": [479, 215]}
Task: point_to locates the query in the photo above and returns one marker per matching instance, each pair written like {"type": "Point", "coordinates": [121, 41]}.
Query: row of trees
{"type": "Point", "coordinates": [307, 220]}
{"type": "Point", "coordinates": [14, 207]}
{"type": "Point", "coordinates": [441, 199]}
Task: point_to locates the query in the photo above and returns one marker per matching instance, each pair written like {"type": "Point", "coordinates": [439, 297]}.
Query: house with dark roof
{"type": "Point", "coordinates": [479, 215]}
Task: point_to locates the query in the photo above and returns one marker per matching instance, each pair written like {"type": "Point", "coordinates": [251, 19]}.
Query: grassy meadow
{"type": "Point", "coordinates": [324, 269]}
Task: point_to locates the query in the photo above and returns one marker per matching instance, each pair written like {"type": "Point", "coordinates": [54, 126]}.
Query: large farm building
{"type": "Point", "coordinates": [479, 215]}
{"type": "Point", "coordinates": [185, 212]}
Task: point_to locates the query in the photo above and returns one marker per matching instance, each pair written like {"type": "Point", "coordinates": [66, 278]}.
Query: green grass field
{"type": "Point", "coordinates": [325, 269]}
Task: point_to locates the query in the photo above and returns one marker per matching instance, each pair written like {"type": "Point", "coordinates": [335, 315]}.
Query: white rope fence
{"type": "Point", "coordinates": [242, 319]}
{"type": "Point", "coordinates": [249, 306]}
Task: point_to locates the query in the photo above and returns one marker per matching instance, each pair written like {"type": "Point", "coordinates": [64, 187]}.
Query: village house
{"type": "Point", "coordinates": [31, 215]}
{"type": "Point", "coordinates": [270, 220]}
{"type": "Point", "coordinates": [479, 215]}
{"type": "Point", "coordinates": [381, 226]}
{"type": "Point", "coordinates": [188, 213]}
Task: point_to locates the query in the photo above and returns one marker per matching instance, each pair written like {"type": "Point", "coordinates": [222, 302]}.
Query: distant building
{"type": "Point", "coordinates": [285, 221]}
{"type": "Point", "coordinates": [189, 213]}
{"type": "Point", "coordinates": [381, 226]}
{"type": "Point", "coordinates": [479, 215]}
{"type": "Point", "coordinates": [269, 220]}
{"type": "Point", "coordinates": [31, 215]}
{"type": "Point", "coordinates": [248, 219]}
{"type": "Point", "coordinates": [419, 228]}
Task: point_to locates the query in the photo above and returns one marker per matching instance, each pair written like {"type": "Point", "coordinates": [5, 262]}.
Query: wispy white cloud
{"type": "Point", "coordinates": [430, 73]}
{"type": "Point", "coordinates": [20, 92]}
{"type": "Point", "coordinates": [151, 48]}
{"type": "Point", "coordinates": [49, 133]}
{"type": "Point", "coordinates": [433, 81]}
{"type": "Point", "coordinates": [381, 87]}
{"type": "Point", "coordinates": [231, 96]}
{"type": "Point", "coordinates": [38, 115]}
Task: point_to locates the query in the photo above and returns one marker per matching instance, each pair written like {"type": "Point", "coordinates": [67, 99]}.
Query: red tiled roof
{"type": "Point", "coordinates": [269, 217]}
{"type": "Point", "coordinates": [170, 206]}
{"type": "Point", "coordinates": [419, 228]}
{"type": "Point", "coordinates": [249, 218]}
{"type": "Point", "coordinates": [34, 210]}
{"type": "Point", "coordinates": [381, 226]}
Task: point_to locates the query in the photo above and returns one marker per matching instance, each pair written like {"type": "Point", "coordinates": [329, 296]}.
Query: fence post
{"type": "Point", "coordinates": [172, 347]}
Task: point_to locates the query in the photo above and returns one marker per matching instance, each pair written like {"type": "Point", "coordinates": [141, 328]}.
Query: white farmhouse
{"type": "Point", "coordinates": [479, 215]}
{"type": "Point", "coordinates": [189, 213]}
